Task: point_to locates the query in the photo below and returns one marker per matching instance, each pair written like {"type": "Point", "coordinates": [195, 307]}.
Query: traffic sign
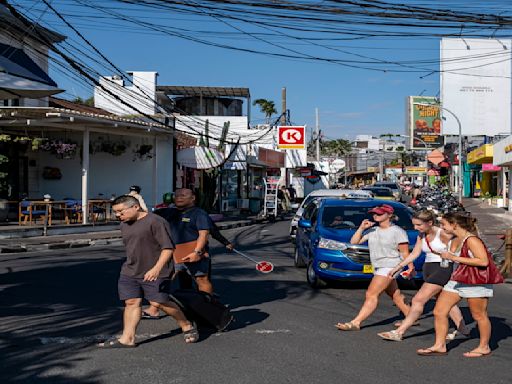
{"type": "Point", "coordinates": [291, 137]}
{"type": "Point", "coordinates": [265, 267]}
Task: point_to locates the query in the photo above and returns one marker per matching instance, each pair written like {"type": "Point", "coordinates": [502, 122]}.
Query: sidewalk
{"type": "Point", "coordinates": [107, 236]}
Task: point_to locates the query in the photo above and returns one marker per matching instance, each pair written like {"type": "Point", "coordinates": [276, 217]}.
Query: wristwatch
{"type": "Point", "coordinates": [198, 253]}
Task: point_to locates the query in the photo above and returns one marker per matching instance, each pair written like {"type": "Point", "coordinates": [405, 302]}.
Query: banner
{"type": "Point", "coordinates": [424, 123]}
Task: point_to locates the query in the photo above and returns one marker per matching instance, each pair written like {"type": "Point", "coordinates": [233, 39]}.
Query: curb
{"type": "Point", "coordinates": [82, 243]}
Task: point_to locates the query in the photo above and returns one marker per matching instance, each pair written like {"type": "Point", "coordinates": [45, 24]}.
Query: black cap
{"type": "Point", "coordinates": [135, 188]}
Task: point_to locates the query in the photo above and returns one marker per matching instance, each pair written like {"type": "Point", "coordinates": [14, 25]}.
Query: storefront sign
{"type": "Point", "coordinates": [481, 155]}
{"type": "Point", "coordinates": [490, 168]}
{"type": "Point", "coordinates": [372, 169]}
{"type": "Point", "coordinates": [502, 151]}
{"type": "Point", "coordinates": [424, 123]}
{"type": "Point", "coordinates": [291, 137]}
{"type": "Point", "coordinates": [271, 158]}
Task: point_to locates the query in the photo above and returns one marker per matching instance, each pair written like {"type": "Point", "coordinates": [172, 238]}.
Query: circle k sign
{"type": "Point", "coordinates": [290, 137]}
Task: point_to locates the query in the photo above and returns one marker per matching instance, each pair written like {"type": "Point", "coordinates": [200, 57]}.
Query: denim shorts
{"type": "Point", "coordinates": [136, 288]}
{"type": "Point", "coordinates": [197, 269]}
{"type": "Point", "coordinates": [469, 290]}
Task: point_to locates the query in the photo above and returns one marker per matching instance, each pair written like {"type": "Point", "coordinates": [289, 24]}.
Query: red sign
{"type": "Point", "coordinates": [265, 267]}
{"type": "Point", "coordinates": [289, 137]}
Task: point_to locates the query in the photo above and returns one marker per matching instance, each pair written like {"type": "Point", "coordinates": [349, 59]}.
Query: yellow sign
{"type": "Point", "coordinates": [372, 169]}
{"type": "Point", "coordinates": [415, 170]}
{"type": "Point", "coordinates": [481, 155]}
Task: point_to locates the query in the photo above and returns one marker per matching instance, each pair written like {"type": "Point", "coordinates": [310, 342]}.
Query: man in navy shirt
{"type": "Point", "coordinates": [190, 227]}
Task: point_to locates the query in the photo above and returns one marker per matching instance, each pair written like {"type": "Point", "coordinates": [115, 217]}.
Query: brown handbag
{"type": "Point", "coordinates": [468, 274]}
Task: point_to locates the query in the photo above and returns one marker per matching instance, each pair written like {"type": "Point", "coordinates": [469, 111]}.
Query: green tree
{"type": "Point", "coordinates": [267, 107]}
{"type": "Point", "coordinates": [336, 147]}
{"type": "Point", "coordinates": [89, 102]}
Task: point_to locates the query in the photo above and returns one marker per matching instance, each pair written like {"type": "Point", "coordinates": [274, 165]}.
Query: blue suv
{"type": "Point", "coordinates": [323, 240]}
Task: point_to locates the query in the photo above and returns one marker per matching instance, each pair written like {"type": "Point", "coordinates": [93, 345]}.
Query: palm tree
{"type": "Point", "coordinates": [267, 107]}
{"type": "Point", "coordinates": [337, 147]}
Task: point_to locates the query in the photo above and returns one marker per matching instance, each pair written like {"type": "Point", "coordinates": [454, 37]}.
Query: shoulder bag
{"type": "Point", "coordinates": [468, 274]}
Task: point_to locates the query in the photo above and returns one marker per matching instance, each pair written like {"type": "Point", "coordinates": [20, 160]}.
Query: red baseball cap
{"type": "Point", "coordinates": [384, 208]}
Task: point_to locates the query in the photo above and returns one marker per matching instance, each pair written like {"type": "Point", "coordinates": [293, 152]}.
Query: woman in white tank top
{"type": "Point", "coordinates": [432, 241]}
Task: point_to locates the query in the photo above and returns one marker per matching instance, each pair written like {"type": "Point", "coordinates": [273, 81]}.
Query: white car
{"type": "Point", "coordinates": [321, 193]}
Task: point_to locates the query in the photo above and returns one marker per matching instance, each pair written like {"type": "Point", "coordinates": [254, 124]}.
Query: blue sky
{"type": "Point", "coordinates": [351, 101]}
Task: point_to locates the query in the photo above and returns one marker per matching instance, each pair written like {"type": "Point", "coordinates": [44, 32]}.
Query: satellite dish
{"type": "Point", "coordinates": [337, 165]}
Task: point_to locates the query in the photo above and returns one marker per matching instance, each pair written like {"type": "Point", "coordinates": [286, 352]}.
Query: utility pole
{"type": "Point", "coordinates": [283, 106]}
{"type": "Point", "coordinates": [317, 134]}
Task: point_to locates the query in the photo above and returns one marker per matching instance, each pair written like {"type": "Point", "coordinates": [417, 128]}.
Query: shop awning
{"type": "Point", "coordinates": [199, 158]}
{"type": "Point", "coordinates": [481, 155]}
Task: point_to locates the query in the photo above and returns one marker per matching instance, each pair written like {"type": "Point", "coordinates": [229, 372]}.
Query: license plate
{"type": "Point", "coordinates": [367, 268]}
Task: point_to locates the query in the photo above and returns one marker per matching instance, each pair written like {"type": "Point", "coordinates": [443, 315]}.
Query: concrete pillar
{"type": "Point", "coordinates": [85, 176]}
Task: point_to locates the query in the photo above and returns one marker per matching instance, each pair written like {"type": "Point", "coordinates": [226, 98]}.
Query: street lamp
{"type": "Point", "coordinates": [460, 150]}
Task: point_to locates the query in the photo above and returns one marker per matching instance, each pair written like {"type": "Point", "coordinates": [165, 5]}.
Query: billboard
{"type": "Point", "coordinates": [424, 123]}
{"type": "Point", "coordinates": [476, 86]}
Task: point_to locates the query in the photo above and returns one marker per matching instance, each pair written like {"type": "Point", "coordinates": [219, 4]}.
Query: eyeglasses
{"type": "Point", "coordinates": [122, 211]}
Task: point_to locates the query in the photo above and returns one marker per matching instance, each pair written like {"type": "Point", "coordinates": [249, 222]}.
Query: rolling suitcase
{"type": "Point", "coordinates": [203, 308]}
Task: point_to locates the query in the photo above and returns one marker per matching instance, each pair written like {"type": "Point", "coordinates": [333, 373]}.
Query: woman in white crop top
{"type": "Point", "coordinates": [462, 227]}
{"type": "Point", "coordinates": [432, 241]}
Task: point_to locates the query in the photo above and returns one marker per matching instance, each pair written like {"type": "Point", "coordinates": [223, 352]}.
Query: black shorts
{"type": "Point", "coordinates": [136, 288]}
{"type": "Point", "coordinates": [433, 273]}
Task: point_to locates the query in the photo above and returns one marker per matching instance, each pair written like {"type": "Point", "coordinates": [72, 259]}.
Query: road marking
{"type": "Point", "coordinates": [271, 331]}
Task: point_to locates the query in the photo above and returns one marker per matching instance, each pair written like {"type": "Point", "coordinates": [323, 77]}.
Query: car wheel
{"type": "Point", "coordinates": [298, 261]}
{"type": "Point", "coordinates": [314, 281]}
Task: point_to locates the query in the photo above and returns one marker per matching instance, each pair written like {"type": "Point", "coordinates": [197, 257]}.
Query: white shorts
{"type": "Point", "coordinates": [382, 271]}
{"type": "Point", "coordinates": [469, 290]}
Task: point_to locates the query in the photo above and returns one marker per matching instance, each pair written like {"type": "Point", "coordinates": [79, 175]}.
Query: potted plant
{"type": "Point", "coordinates": [143, 152]}
{"type": "Point", "coordinates": [62, 149]}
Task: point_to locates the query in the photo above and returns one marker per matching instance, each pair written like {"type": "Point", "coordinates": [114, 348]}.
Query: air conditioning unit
{"type": "Point", "coordinates": [242, 204]}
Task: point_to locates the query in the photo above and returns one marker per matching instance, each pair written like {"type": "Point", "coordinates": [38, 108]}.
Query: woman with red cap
{"type": "Point", "coordinates": [388, 245]}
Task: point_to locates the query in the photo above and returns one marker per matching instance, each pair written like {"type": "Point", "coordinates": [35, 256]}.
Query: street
{"type": "Point", "coordinates": [56, 305]}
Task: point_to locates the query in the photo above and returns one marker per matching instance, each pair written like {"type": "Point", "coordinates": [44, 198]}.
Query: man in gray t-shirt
{"type": "Point", "coordinates": [145, 273]}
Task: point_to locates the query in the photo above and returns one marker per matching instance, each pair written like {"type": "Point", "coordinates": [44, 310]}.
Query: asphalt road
{"type": "Point", "coordinates": [56, 305]}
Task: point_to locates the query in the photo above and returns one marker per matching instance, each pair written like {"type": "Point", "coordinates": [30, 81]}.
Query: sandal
{"type": "Point", "coordinates": [430, 352]}
{"type": "Point", "coordinates": [147, 316]}
{"type": "Point", "coordinates": [191, 336]}
{"type": "Point", "coordinates": [347, 327]}
{"type": "Point", "coordinates": [115, 344]}
{"type": "Point", "coordinates": [456, 333]}
{"type": "Point", "coordinates": [391, 335]}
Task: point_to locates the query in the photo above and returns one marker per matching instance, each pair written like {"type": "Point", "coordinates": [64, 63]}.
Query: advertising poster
{"type": "Point", "coordinates": [424, 123]}
{"type": "Point", "coordinates": [475, 86]}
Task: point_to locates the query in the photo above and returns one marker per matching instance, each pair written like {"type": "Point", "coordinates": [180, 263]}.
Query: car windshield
{"type": "Point", "coordinates": [381, 191]}
{"type": "Point", "coordinates": [347, 217]}
{"type": "Point", "coordinates": [392, 186]}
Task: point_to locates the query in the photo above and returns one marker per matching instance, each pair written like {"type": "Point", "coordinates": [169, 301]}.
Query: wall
{"type": "Point", "coordinates": [108, 174]}
{"type": "Point", "coordinates": [141, 94]}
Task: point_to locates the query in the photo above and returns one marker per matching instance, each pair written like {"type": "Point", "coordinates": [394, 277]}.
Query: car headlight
{"type": "Point", "coordinates": [331, 244]}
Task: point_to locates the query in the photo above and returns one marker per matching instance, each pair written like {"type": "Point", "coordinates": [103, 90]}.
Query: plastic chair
{"type": "Point", "coordinates": [29, 213]}
{"type": "Point", "coordinates": [73, 210]}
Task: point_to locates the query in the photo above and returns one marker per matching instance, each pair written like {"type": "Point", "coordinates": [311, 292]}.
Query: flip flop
{"type": "Point", "coordinates": [430, 352]}
{"type": "Point", "coordinates": [115, 344]}
{"type": "Point", "coordinates": [475, 354]}
{"type": "Point", "coordinates": [147, 316]}
{"type": "Point", "coordinates": [347, 327]}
